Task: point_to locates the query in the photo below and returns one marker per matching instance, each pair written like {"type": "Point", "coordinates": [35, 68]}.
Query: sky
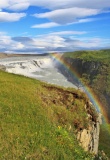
{"type": "Point", "coordinates": [42, 26]}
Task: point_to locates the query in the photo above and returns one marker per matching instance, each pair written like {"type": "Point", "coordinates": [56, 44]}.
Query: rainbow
{"type": "Point", "coordinates": [93, 98]}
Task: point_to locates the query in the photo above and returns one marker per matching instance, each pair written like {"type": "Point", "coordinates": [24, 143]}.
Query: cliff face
{"type": "Point", "coordinates": [90, 68]}
{"type": "Point", "coordinates": [89, 138]}
{"type": "Point", "coordinates": [93, 73]}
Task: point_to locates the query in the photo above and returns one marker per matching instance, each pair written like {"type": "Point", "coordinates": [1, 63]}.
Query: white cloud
{"type": "Point", "coordinates": [45, 25]}
{"type": "Point", "coordinates": [53, 24]}
{"type": "Point", "coordinates": [14, 5]}
{"type": "Point", "coordinates": [2, 33]}
{"type": "Point", "coordinates": [11, 17]}
{"type": "Point", "coordinates": [54, 5]}
{"type": "Point", "coordinates": [7, 43]}
{"type": "Point", "coordinates": [60, 4]}
{"type": "Point", "coordinates": [68, 33]}
{"type": "Point", "coordinates": [4, 3]}
{"type": "Point", "coordinates": [49, 43]}
{"type": "Point", "coordinates": [61, 11]}
{"type": "Point", "coordinates": [64, 12]}
{"type": "Point", "coordinates": [68, 15]}
{"type": "Point", "coordinates": [85, 20]}
{"type": "Point", "coordinates": [19, 6]}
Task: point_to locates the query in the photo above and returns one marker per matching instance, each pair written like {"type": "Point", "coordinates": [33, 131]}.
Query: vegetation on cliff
{"type": "Point", "coordinates": [95, 55]}
{"type": "Point", "coordinates": [40, 121]}
{"type": "Point", "coordinates": [93, 68]}
{"type": "Point", "coordinates": [105, 139]}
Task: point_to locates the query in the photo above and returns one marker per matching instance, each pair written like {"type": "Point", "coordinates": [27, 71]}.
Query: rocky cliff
{"type": "Point", "coordinates": [89, 138]}
{"type": "Point", "coordinates": [87, 133]}
{"type": "Point", "coordinates": [92, 73]}
{"type": "Point", "coordinates": [95, 72]}
{"type": "Point", "coordinates": [81, 67]}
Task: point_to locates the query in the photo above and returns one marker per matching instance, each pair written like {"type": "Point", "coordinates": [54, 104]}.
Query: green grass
{"type": "Point", "coordinates": [35, 119]}
{"type": "Point", "coordinates": [99, 83]}
{"type": "Point", "coordinates": [96, 55]}
{"type": "Point", "coordinates": [104, 143]}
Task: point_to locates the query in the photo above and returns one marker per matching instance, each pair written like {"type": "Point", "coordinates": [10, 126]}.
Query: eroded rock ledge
{"type": "Point", "coordinates": [89, 138]}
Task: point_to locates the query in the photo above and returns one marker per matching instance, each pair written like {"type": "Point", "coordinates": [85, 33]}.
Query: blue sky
{"type": "Point", "coordinates": [39, 26]}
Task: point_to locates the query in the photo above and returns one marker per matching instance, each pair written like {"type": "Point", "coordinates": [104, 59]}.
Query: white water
{"type": "Point", "coordinates": [38, 67]}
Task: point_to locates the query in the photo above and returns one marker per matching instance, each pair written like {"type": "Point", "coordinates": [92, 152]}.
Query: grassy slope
{"type": "Point", "coordinates": [105, 139]}
{"type": "Point", "coordinates": [100, 85]}
{"type": "Point", "coordinates": [98, 55]}
{"type": "Point", "coordinates": [35, 120]}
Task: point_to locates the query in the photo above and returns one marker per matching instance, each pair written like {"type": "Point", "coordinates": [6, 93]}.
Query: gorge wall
{"type": "Point", "coordinates": [90, 68]}
{"type": "Point", "coordinates": [93, 74]}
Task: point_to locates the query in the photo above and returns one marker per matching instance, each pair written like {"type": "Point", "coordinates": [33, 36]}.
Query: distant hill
{"type": "Point", "coordinates": [5, 55]}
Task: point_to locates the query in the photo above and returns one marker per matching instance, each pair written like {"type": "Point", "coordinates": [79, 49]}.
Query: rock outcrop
{"type": "Point", "coordinates": [89, 138]}
{"type": "Point", "coordinates": [87, 135]}
{"type": "Point", "coordinates": [80, 67]}
{"type": "Point", "coordinates": [2, 67]}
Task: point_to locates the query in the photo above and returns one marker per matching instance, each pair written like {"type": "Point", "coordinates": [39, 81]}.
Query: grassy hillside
{"type": "Point", "coordinates": [95, 73]}
{"type": "Point", "coordinates": [105, 139]}
{"type": "Point", "coordinates": [39, 121]}
{"type": "Point", "coordinates": [96, 55]}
